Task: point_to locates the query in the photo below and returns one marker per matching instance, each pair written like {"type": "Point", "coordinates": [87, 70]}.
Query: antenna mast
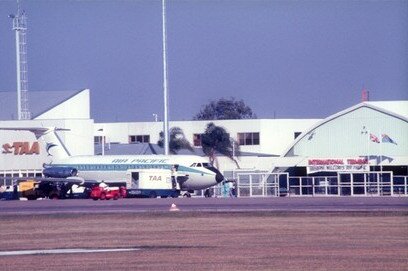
{"type": "Point", "coordinates": [20, 26]}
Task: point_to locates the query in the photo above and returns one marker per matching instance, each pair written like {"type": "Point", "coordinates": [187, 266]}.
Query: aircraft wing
{"type": "Point", "coordinates": [73, 180]}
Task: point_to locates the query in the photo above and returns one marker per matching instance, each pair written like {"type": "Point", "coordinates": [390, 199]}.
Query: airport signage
{"type": "Point", "coordinates": [337, 165]}
{"type": "Point", "coordinates": [21, 148]}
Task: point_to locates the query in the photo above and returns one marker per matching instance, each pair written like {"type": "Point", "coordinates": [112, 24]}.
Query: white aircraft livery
{"type": "Point", "coordinates": [193, 172]}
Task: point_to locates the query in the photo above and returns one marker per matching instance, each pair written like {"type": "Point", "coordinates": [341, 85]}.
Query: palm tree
{"type": "Point", "coordinates": [217, 140]}
{"type": "Point", "coordinates": [177, 141]}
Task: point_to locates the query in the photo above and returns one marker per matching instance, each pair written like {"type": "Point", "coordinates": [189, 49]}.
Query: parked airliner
{"type": "Point", "coordinates": [193, 172]}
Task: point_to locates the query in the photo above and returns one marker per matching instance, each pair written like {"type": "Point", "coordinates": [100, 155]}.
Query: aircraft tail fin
{"type": "Point", "coordinates": [53, 143]}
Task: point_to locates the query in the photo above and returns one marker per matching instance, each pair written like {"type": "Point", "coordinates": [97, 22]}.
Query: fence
{"type": "Point", "coordinates": [344, 184]}
{"type": "Point", "coordinates": [17, 174]}
{"type": "Point", "coordinates": [262, 184]}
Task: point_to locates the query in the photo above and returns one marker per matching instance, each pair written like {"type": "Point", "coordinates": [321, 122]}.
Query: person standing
{"type": "Point", "coordinates": [104, 186]}
{"type": "Point", "coordinates": [174, 182]}
{"type": "Point", "coordinates": [231, 188]}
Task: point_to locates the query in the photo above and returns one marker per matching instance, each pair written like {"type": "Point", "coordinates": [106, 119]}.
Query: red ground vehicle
{"type": "Point", "coordinates": [108, 193]}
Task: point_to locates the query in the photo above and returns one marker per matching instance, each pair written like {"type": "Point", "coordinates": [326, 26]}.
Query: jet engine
{"type": "Point", "coordinates": [60, 172]}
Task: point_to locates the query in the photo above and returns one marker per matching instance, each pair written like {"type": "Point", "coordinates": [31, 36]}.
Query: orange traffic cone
{"type": "Point", "coordinates": [174, 208]}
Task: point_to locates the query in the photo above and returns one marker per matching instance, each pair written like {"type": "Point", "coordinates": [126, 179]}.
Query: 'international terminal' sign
{"type": "Point", "coordinates": [337, 164]}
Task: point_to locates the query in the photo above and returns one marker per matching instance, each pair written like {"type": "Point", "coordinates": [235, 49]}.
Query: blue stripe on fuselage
{"type": "Point", "coordinates": [125, 167]}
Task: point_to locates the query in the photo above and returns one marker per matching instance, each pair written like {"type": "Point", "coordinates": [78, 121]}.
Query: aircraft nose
{"type": "Point", "coordinates": [219, 177]}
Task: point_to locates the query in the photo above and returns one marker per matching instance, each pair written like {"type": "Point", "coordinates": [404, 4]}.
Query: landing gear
{"type": "Point", "coordinates": [152, 195]}
{"type": "Point", "coordinates": [207, 193]}
{"type": "Point", "coordinates": [187, 195]}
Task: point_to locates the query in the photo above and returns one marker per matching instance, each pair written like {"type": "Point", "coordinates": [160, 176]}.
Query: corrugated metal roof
{"type": "Point", "coordinates": [39, 102]}
{"type": "Point", "coordinates": [387, 107]}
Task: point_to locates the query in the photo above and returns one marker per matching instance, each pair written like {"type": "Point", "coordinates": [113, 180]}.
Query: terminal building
{"type": "Point", "coordinates": [360, 151]}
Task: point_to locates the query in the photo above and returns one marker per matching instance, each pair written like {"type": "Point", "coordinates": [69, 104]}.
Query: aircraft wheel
{"type": "Point", "coordinates": [152, 195]}
{"type": "Point", "coordinates": [187, 195]}
{"type": "Point", "coordinates": [54, 197]}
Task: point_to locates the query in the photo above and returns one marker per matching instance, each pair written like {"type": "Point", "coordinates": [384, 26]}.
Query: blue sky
{"type": "Point", "coordinates": [291, 59]}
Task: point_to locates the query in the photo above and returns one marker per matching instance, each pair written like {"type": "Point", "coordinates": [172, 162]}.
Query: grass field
{"type": "Point", "coordinates": [210, 241]}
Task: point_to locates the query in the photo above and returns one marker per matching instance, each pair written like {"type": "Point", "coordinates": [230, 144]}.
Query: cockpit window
{"type": "Point", "coordinates": [206, 165]}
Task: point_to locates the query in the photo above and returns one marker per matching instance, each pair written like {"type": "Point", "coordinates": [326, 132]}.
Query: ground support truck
{"type": "Point", "coordinates": [152, 183]}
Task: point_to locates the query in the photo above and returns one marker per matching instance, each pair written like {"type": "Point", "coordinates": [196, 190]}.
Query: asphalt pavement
{"type": "Point", "coordinates": [271, 204]}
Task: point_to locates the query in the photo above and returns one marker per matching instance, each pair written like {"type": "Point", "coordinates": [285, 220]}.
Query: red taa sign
{"type": "Point", "coordinates": [20, 148]}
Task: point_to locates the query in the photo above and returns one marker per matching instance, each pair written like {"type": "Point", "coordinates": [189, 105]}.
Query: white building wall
{"type": "Point", "coordinates": [275, 135]}
{"type": "Point", "coordinates": [77, 107]}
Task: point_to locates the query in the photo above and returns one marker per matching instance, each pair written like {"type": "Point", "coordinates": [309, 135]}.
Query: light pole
{"type": "Point", "coordinates": [165, 92]}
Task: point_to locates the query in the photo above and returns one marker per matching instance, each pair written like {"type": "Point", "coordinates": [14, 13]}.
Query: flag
{"type": "Point", "coordinates": [387, 139]}
{"type": "Point", "coordinates": [373, 138]}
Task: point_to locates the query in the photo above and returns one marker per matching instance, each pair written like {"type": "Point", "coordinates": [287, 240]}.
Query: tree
{"type": "Point", "coordinates": [217, 140]}
{"type": "Point", "coordinates": [225, 109]}
{"type": "Point", "coordinates": [177, 141]}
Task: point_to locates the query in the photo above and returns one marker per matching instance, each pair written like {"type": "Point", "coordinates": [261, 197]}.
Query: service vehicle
{"type": "Point", "coordinates": [8, 192]}
{"type": "Point", "coordinates": [32, 190]}
{"type": "Point", "coordinates": [152, 183]}
{"type": "Point", "coordinates": [107, 193]}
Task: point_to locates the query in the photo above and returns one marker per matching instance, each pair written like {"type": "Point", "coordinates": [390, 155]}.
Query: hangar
{"type": "Point", "coordinates": [362, 150]}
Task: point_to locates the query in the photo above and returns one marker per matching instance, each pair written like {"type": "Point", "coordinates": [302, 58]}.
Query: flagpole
{"type": "Point", "coordinates": [366, 132]}
{"type": "Point", "coordinates": [368, 156]}
{"type": "Point", "coordinates": [368, 147]}
{"type": "Point", "coordinates": [381, 154]}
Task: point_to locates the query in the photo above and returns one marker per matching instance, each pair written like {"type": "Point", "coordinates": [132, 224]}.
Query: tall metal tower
{"type": "Point", "coordinates": [20, 26]}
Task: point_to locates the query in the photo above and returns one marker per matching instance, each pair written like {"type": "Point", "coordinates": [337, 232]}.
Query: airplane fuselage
{"type": "Point", "coordinates": [114, 169]}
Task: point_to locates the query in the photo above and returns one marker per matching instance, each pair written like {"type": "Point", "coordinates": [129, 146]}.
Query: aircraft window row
{"type": "Point", "coordinates": [118, 167]}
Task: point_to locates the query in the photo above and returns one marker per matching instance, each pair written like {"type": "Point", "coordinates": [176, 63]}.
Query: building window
{"type": "Point", "coordinates": [139, 139]}
{"type": "Point", "coordinates": [197, 140]}
{"type": "Point", "coordinates": [248, 138]}
{"type": "Point", "coordinates": [98, 139]}
{"type": "Point", "coordinates": [296, 134]}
